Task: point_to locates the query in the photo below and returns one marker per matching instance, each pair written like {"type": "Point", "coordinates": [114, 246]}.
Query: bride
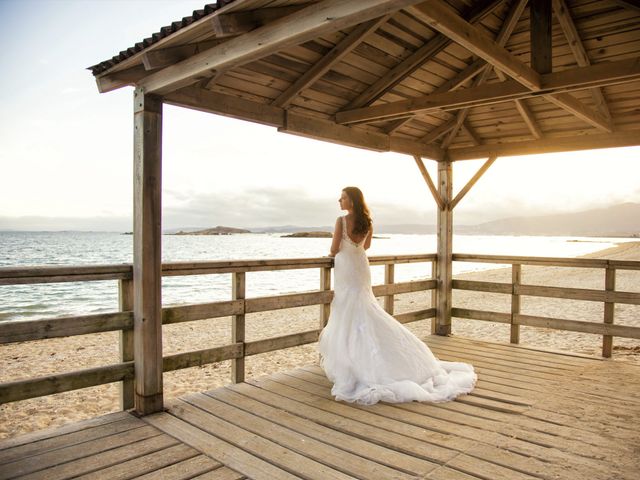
{"type": "Point", "coordinates": [367, 354]}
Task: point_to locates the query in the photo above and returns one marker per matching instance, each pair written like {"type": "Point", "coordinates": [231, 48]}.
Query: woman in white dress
{"type": "Point", "coordinates": [367, 354]}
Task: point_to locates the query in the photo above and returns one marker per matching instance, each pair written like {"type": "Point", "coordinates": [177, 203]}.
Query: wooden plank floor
{"type": "Point", "coordinates": [533, 415]}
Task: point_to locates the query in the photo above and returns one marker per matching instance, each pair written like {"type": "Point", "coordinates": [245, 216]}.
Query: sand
{"type": "Point", "coordinates": [33, 359]}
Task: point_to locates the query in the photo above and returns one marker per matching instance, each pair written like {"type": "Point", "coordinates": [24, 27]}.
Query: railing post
{"type": "Point", "coordinates": [516, 279]}
{"type": "Point", "coordinates": [609, 309]}
{"type": "Point", "coordinates": [325, 284]}
{"type": "Point", "coordinates": [434, 295]}
{"type": "Point", "coordinates": [388, 279]}
{"type": "Point", "coordinates": [237, 327]}
{"type": "Point", "coordinates": [125, 304]}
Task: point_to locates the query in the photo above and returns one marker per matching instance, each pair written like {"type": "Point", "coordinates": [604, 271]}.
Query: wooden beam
{"type": "Point", "coordinates": [288, 122]}
{"type": "Point", "coordinates": [239, 23]}
{"type": "Point", "coordinates": [310, 22]}
{"type": "Point", "coordinates": [163, 57]}
{"type": "Point", "coordinates": [607, 73]}
{"type": "Point", "coordinates": [528, 118]}
{"type": "Point", "coordinates": [427, 178]}
{"type": "Point", "coordinates": [563, 15]}
{"type": "Point", "coordinates": [580, 110]}
{"type": "Point", "coordinates": [147, 267]}
{"type": "Point", "coordinates": [414, 61]}
{"type": "Point", "coordinates": [471, 133]}
{"type": "Point", "coordinates": [505, 32]}
{"type": "Point", "coordinates": [472, 182]}
{"type": "Point", "coordinates": [343, 48]}
{"type": "Point", "coordinates": [548, 145]}
{"type": "Point", "coordinates": [540, 35]}
{"type": "Point", "coordinates": [113, 81]}
{"type": "Point", "coordinates": [439, 131]}
{"type": "Point", "coordinates": [443, 18]}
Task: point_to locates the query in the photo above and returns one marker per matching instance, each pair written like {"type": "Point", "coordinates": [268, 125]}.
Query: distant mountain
{"type": "Point", "coordinates": [617, 221]}
{"type": "Point", "coordinates": [219, 230]}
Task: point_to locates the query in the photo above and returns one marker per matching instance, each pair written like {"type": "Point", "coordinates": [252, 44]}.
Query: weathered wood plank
{"type": "Point", "coordinates": [301, 442]}
{"type": "Point", "coordinates": [234, 457]}
{"type": "Point", "coordinates": [48, 385]}
{"type": "Point", "coordinates": [57, 461]}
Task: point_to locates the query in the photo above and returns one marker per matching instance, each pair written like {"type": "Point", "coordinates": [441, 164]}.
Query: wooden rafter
{"type": "Point", "coordinates": [575, 43]}
{"type": "Point", "coordinates": [342, 49]}
{"type": "Point", "coordinates": [239, 23]}
{"type": "Point", "coordinates": [303, 25]}
{"type": "Point", "coordinates": [418, 58]}
{"type": "Point", "coordinates": [597, 75]}
{"type": "Point", "coordinates": [548, 145]}
{"type": "Point", "coordinates": [479, 66]}
{"type": "Point", "coordinates": [430, 184]}
{"type": "Point", "coordinates": [471, 133]}
{"type": "Point", "coordinates": [528, 118]}
{"type": "Point", "coordinates": [473, 181]}
{"type": "Point", "coordinates": [505, 32]}
{"type": "Point", "coordinates": [443, 18]}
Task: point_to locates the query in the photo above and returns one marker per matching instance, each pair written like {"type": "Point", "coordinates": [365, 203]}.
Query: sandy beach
{"type": "Point", "coordinates": [33, 359]}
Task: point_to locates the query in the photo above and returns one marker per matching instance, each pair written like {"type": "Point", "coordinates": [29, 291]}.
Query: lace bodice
{"type": "Point", "coordinates": [346, 237]}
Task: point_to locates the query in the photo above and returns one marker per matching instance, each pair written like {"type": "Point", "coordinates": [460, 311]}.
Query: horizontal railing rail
{"type": "Point", "coordinates": [609, 296]}
{"type": "Point", "coordinates": [237, 308]}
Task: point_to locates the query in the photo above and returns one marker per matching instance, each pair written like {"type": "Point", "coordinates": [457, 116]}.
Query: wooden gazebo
{"type": "Point", "coordinates": [437, 80]}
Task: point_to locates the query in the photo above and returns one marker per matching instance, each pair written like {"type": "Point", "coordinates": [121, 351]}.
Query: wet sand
{"type": "Point", "coordinates": [33, 359]}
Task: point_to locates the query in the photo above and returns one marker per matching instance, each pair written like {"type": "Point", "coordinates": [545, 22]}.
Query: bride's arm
{"type": "Point", "coordinates": [367, 242]}
{"type": "Point", "coordinates": [337, 236]}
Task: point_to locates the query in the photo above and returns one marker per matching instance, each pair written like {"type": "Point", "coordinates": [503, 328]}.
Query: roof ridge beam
{"type": "Point", "coordinates": [299, 27]}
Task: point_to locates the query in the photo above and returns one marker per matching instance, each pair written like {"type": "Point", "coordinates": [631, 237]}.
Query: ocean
{"type": "Point", "coordinates": [22, 302]}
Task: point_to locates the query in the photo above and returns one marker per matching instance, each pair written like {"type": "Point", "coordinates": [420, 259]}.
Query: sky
{"type": "Point", "coordinates": [66, 150]}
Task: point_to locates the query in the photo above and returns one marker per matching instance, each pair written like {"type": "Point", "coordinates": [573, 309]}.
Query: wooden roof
{"type": "Point", "coordinates": [450, 79]}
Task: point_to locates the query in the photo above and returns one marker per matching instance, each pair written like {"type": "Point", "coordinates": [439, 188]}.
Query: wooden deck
{"type": "Point", "coordinates": [533, 415]}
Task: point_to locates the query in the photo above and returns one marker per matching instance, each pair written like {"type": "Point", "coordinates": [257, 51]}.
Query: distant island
{"type": "Point", "coordinates": [309, 235]}
{"type": "Point", "coordinates": [219, 230]}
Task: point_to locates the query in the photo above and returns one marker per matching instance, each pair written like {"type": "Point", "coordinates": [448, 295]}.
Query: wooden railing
{"type": "Point", "coordinates": [237, 307]}
{"type": "Point", "coordinates": [516, 289]}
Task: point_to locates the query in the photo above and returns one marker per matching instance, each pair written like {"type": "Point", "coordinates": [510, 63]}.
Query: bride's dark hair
{"type": "Point", "coordinates": [362, 221]}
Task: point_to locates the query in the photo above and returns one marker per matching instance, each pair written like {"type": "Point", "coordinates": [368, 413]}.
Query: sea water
{"type": "Point", "coordinates": [35, 301]}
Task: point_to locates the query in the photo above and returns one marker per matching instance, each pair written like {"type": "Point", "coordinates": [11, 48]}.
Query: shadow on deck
{"type": "Point", "coordinates": [532, 415]}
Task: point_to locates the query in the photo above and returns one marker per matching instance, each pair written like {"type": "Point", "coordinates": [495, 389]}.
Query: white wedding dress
{"type": "Point", "coordinates": [370, 356]}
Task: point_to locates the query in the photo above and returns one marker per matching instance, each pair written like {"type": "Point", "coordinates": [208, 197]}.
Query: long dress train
{"type": "Point", "coordinates": [368, 355]}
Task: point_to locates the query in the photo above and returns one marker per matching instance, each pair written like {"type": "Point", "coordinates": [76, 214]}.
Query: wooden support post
{"type": "Point", "coordinates": [609, 309]}
{"type": "Point", "coordinates": [325, 284]}
{"type": "Point", "coordinates": [434, 295]}
{"type": "Point", "coordinates": [125, 304]}
{"type": "Point", "coordinates": [388, 279]}
{"type": "Point", "coordinates": [516, 280]}
{"type": "Point", "coordinates": [238, 289]}
{"type": "Point", "coordinates": [540, 31]}
{"type": "Point", "coordinates": [147, 267]}
{"type": "Point", "coordinates": [445, 255]}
